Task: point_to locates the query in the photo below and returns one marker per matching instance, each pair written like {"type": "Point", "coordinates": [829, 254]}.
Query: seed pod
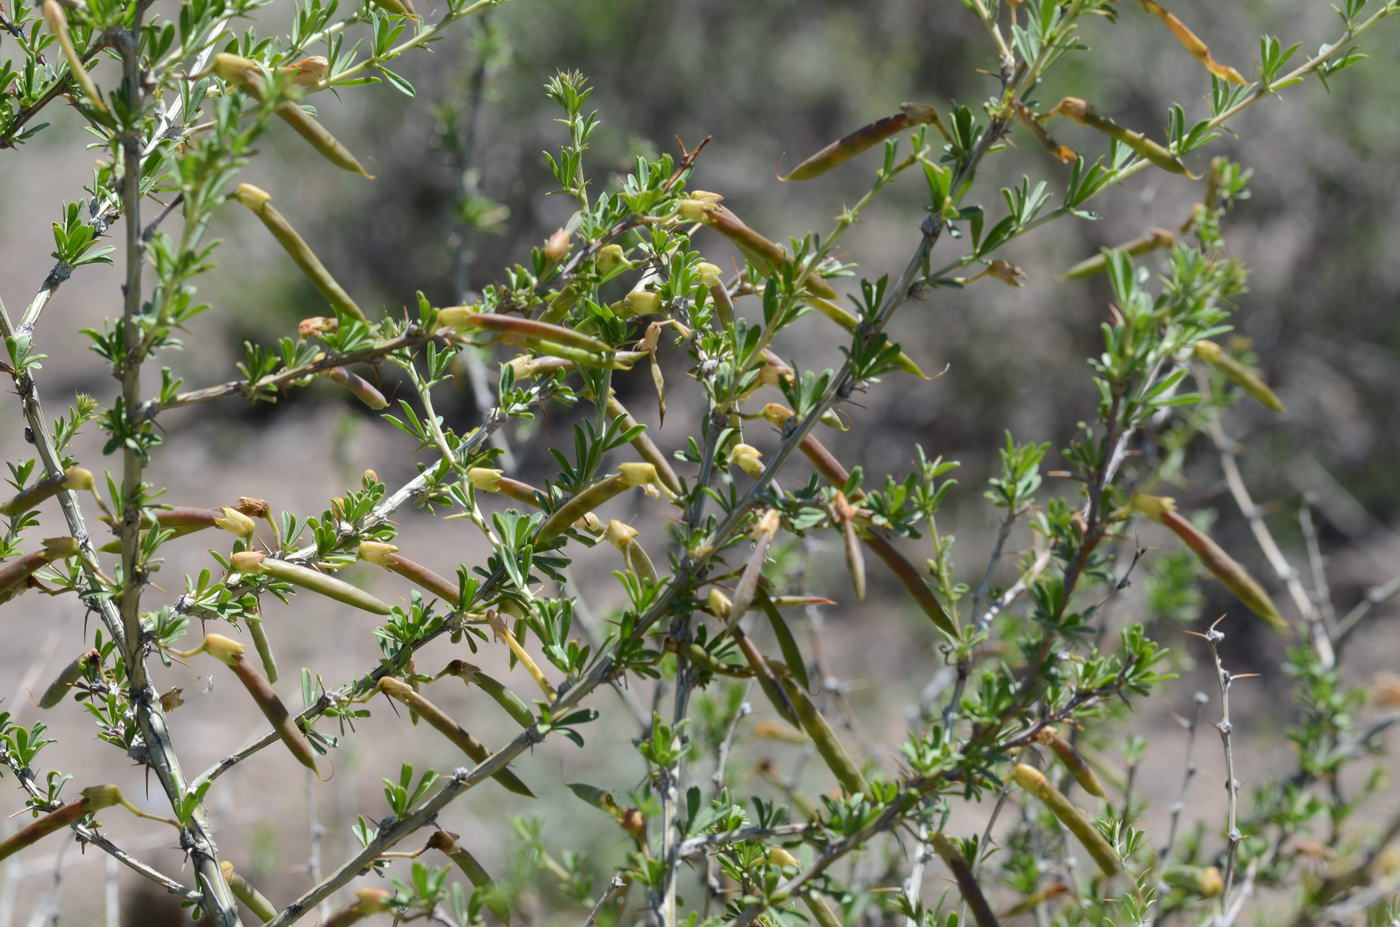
{"type": "Point", "coordinates": [231, 653]}
{"type": "Point", "coordinates": [14, 575]}
{"type": "Point", "coordinates": [262, 645]}
{"type": "Point", "coordinates": [851, 324]}
{"type": "Point", "coordinates": [362, 389]}
{"type": "Point", "coordinates": [367, 900]}
{"type": "Point", "coordinates": [504, 633]}
{"type": "Point", "coordinates": [1221, 565]}
{"type": "Point", "coordinates": [94, 799]}
{"type": "Point", "coordinates": [495, 900]}
{"type": "Point", "coordinates": [256, 901]}
{"type": "Point", "coordinates": [862, 139]}
{"type": "Point", "coordinates": [767, 256]}
{"type": "Point", "coordinates": [957, 863]}
{"type": "Point", "coordinates": [1034, 781]}
{"type": "Point", "coordinates": [1035, 899]}
{"type": "Point", "coordinates": [518, 330]}
{"type": "Point", "coordinates": [1192, 43]}
{"type": "Point", "coordinates": [398, 7]}
{"type": "Point", "coordinates": [513, 704]}
{"type": "Point", "coordinates": [832, 751]}
{"type": "Point", "coordinates": [1204, 881]}
{"type": "Point", "coordinates": [252, 561]}
{"type": "Point", "coordinates": [308, 72]}
{"type": "Point", "coordinates": [1244, 377]}
{"type": "Point", "coordinates": [1152, 241]}
{"type": "Point", "coordinates": [386, 555]}
{"type": "Point", "coordinates": [1086, 115]}
{"type": "Point", "coordinates": [629, 476]}
{"type": "Point", "coordinates": [439, 721]}
{"type": "Point", "coordinates": [646, 447]}
{"type": "Point", "coordinates": [67, 676]}
{"type": "Point", "coordinates": [821, 912]}
{"type": "Point", "coordinates": [75, 478]}
{"type": "Point", "coordinates": [1072, 760]}
{"type": "Point", "coordinates": [774, 730]}
{"type": "Point", "coordinates": [58, 25]}
{"type": "Point", "coordinates": [260, 202]}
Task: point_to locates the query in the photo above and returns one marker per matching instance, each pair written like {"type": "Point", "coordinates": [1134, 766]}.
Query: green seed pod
{"type": "Point", "coordinates": [67, 676]}
{"type": "Point", "coordinates": [1213, 557]}
{"type": "Point", "coordinates": [862, 139]}
{"type": "Point", "coordinates": [518, 330]}
{"type": "Point", "coordinates": [629, 476]}
{"type": "Point", "coordinates": [495, 900]}
{"type": "Point", "coordinates": [513, 704]}
{"type": "Point", "coordinates": [832, 751]}
{"type": "Point", "coordinates": [260, 202]}
{"type": "Point", "coordinates": [252, 561]}
{"type": "Point", "coordinates": [1086, 115]}
{"type": "Point", "coordinates": [1244, 377]}
{"type": "Point", "coordinates": [262, 645]}
{"type": "Point", "coordinates": [75, 478]}
{"type": "Point", "coordinates": [1072, 760]}
{"type": "Point", "coordinates": [58, 25]}
{"type": "Point", "coordinates": [386, 555]}
{"type": "Point", "coordinates": [816, 905]}
{"type": "Point", "coordinates": [256, 901]}
{"type": "Point", "coordinates": [439, 721]}
{"type": "Point", "coordinates": [362, 389]}
{"type": "Point", "coordinates": [957, 863]}
{"type": "Point", "coordinates": [1153, 241]}
{"type": "Point", "coordinates": [1034, 782]}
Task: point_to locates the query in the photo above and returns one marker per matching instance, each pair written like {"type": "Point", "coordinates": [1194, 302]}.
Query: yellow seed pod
{"type": "Point", "coordinates": [1242, 376]}
{"type": "Point", "coordinates": [1034, 782]}
{"type": "Point", "coordinates": [1086, 115]}
{"type": "Point", "coordinates": [58, 24]}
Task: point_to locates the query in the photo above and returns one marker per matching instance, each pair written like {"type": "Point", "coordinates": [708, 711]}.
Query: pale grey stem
{"type": "Point", "coordinates": [617, 886]}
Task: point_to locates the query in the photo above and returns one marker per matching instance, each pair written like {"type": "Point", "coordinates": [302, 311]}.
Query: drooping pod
{"type": "Point", "coordinates": [256, 562]}
{"type": "Point", "coordinates": [824, 738]}
{"type": "Point", "coordinates": [1034, 782]}
{"type": "Point", "coordinates": [862, 139]}
{"type": "Point", "coordinates": [504, 633]}
{"type": "Point", "coordinates": [261, 643]}
{"type": "Point", "coordinates": [490, 479]}
{"type": "Point", "coordinates": [94, 798]}
{"type": "Point", "coordinates": [75, 478]}
{"type": "Point", "coordinates": [1213, 557]}
{"type": "Point", "coordinates": [387, 556]}
{"type": "Point", "coordinates": [1152, 241]}
{"type": "Point", "coordinates": [519, 330]}
{"type": "Point", "coordinates": [447, 844]}
{"type": "Point", "coordinates": [629, 476]}
{"type": "Point", "coordinates": [1086, 115]}
{"type": "Point", "coordinates": [1246, 378]}
{"type": "Point", "coordinates": [1193, 44]}
{"type": "Point", "coordinates": [441, 722]}
{"type": "Point", "coordinates": [244, 74]}
{"type": "Point", "coordinates": [1075, 763]}
{"type": "Point", "coordinates": [15, 574]}
{"type": "Point", "coordinates": [256, 901]}
{"type": "Point", "coordinates": [957, 863]}
{"type": "Point", "coordinates": [68, 676]}
{"type": "Point", "coordinates": [367, 901]}
{"type": "Point", "coordinates": [57, 22]}
{"type": "Point", "coordinates": [231, 653]}
{"type": "Point", "coordinates": [358, 386]}
{"type": "Point", "coordinates": [260, 202]}
{"type": "Point", "coordinates": [472, 675]}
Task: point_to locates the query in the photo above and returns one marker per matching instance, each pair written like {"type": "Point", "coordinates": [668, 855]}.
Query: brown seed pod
{"type": "Point", "coordinates": [260, 202]}
{"type": "Point", "coordinates": [15, 574]}
{"type": "Point", "coordinates": [387, 556]}
{"type": "Point", "coordinates": [862, 139]}
{"type": "Point", "coordinates": [1034, 782]}
{"type": "Point", "coordinates": [361, 388]}
{"type": "Point", "coordinates": [94, 798]}
{"type": "Point", "coordinates": [75, 478]}
{"type": "Point", "coordinates": [367, 900]}
{"type": "Point", "coordinates": [67, 676]}
{"type": "Point", "coordinates": [958, 864]}
{"type": "Point", "coordinates": [1028, 118]}
{"type": "Point", "coordinates": [1193, 44]}
{"type": "Point", "coordinates": [441, 722]}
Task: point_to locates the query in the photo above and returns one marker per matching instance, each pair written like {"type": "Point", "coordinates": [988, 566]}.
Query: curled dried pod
{"type": "Point", "coordinates": [257, 563]}
{"type": "Point", "coordinates": [444, 724]}
{"type": "Point", "coordinates": [260, 203]}
{"type": "Point", "coordinates": [1193, 44]}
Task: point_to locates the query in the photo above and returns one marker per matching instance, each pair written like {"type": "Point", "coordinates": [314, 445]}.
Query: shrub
{"type": "Point", "coordinates": [713, 613]}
